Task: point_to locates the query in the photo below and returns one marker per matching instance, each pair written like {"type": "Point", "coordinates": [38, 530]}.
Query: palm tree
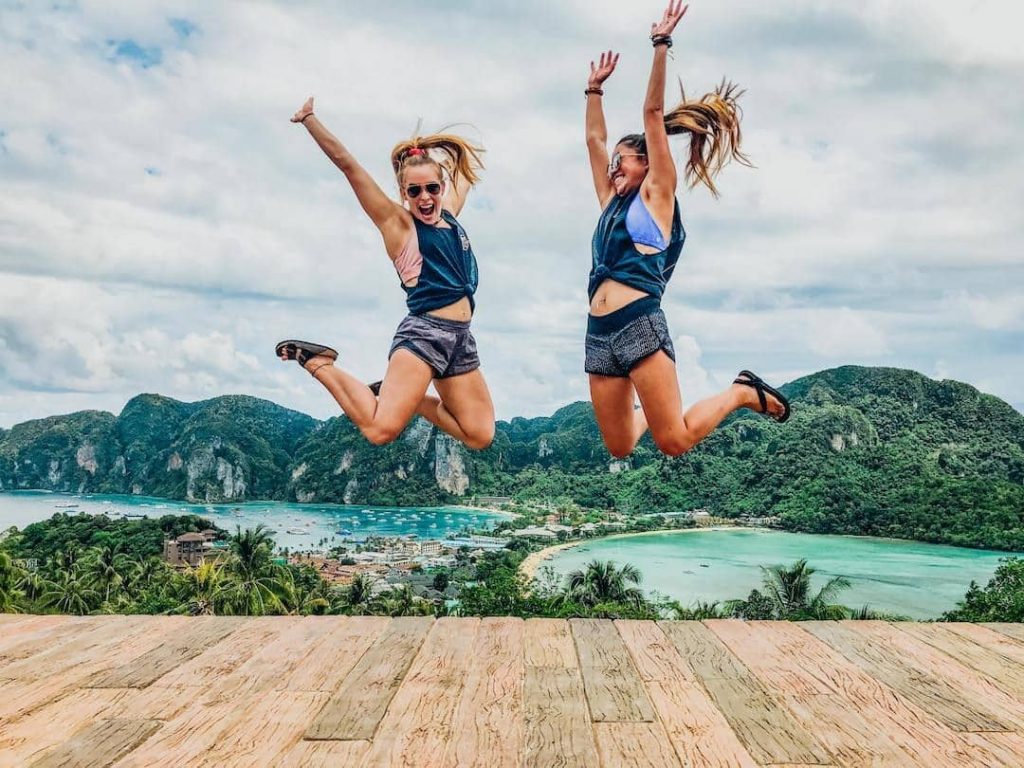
{"type": "Point", "coordinates": [202, 589]}
{"type": "Point", "coordinates": [10, 579]}
{"type": "Point", "coordinates": [789, 590]}
{"type": "Point", "coordinates": [34, 585]}
{"type": "Point", "coordinates": [70, 594]}
{"type": "Point", "coordinates": [604, 582]}
{"type": "Point", "coordinates": [257, 586]}
{"type": "Point", "coordinates": [104, 567]}
{"type": "Point", "coordinates": [359, 593]}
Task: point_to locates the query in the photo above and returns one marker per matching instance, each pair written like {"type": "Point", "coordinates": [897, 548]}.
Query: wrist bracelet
{"type": "Point", "coordinates": [596, 91]}
{"type": "Point", "coordinates": [657, 40]}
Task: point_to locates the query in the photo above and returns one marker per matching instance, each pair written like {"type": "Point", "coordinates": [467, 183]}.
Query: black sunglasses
{"type": "Point", "coordinates": [413, 190]}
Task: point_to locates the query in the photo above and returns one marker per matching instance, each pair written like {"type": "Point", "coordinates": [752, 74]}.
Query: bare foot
{"type": "Point", "coordinates": [315, 363]}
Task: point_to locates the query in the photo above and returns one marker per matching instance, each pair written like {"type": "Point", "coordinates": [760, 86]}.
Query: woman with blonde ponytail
{"type": "Point", "coordinates": [639, 236]}
{"type": "Point", "coordinates": [437, 269]}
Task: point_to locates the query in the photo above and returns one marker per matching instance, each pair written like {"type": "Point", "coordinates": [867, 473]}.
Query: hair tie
{"type": "Point", "coordinates": [414, 151]}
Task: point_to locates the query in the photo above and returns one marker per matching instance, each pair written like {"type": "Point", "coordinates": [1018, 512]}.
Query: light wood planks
{"type": "Point", "coordinates": [696, 728]}
{"type": "Point", "coordinates": [919, 673]}
{"type": "Point", "coordinates": [504, 692]}
{"type": "Point", "coordinates": [417, 727]}
{"type": "Point", "coordinates": [488, 724]}
{"type": "Point", "coordinates": [615, 692]}
{"type": "Point", "coordinates": [195, 637]}
{"type": "Point", "coordinates": [358, 705]}
{"type": "Point", "coordinates": [765, 727]}
{"type": "Point", "coordinates": [1016, 631]}
{"type": "Point", "coordinates": [101, 743]}
{"type": "Point", "coordinates": [556, 720]}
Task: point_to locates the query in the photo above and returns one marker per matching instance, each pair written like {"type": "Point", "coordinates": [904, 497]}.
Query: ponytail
{"type": "Point", "coordinates": [461, 159]}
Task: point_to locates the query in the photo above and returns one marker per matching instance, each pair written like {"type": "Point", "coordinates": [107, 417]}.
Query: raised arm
{"type": "Point", "coordinates": [456, 194]}
{"type": "Point", "coordinates": [597, 133]}
{"type": "Point", "coordinates": [388, 216]}
{"type": "Point", "coordinates": [660, 183]}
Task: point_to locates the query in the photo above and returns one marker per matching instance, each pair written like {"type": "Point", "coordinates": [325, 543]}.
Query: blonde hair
{"type": "Point", "coordinates": [713, 122]}
{"type": "Point", "coordinates": [460, 158]}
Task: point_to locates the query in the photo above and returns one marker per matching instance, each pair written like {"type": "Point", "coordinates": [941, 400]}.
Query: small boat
{"type": "Point", "coordinates": [704, 565]}
{"type": "Point", "coordinates": [344, 532]}
{"type": "Point", "coordinates": [298, 532]}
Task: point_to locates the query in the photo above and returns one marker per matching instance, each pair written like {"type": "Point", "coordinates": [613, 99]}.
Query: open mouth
{"type": "Point", "coordinates": [618, 177]}
{"type": "Point", "coordinates": [426, 209]}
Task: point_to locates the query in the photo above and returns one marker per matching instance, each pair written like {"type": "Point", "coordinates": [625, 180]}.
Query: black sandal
{"type": "Point", "coordinates": [375, 388]}
{"type": "Point", "coordinates": [750, 380]}
{"type": "Point", "coordinates": [304, 351]}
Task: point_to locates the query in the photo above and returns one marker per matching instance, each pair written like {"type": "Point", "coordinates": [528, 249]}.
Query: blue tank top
{"type": "Point", "coordinates": [615, 256]}
{"type": "Point", "coordinates": [448, 271]}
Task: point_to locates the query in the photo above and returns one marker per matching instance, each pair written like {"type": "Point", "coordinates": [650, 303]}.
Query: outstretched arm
{"type": "Point", "coordinates": [386, 214]}
{"type": "Point", "coordinates": [660, 183]}
{"type": "Point", "coordinates": [597, 133]}
{"type": "Point", "coordinates": [456, 194]}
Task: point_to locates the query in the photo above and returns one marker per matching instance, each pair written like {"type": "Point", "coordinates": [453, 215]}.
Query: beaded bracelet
{"type": "Point", "coordinates": [657, 40]}
{"type": "Point", "coordinates": [596, 91]}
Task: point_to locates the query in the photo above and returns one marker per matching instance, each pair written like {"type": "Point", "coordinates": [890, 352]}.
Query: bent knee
{"type": "Point", "coordinates": [673, 445]}
{"type": "Point", "coordinates": [382, 434]}
{"type": "Point", "coordinates": [478, 440]}
{"type": "Point", "coordinates": [619, 450]}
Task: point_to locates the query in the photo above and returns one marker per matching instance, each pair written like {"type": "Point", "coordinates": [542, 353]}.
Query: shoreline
{"type": "Point", "coordinates": [533, 562]}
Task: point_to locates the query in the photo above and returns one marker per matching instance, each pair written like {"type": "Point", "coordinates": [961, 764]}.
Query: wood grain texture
{"type": "Point", "coordinates": [615, 692]}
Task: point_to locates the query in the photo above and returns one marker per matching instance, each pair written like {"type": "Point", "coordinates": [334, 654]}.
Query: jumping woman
{"type": "Point", "coordinates": [636, 245]}
{"type": "Point", "coordinates": [438, 271]}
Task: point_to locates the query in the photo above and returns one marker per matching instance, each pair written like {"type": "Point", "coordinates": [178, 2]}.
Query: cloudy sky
{"type": "Point", "coordinates": [162, 224]}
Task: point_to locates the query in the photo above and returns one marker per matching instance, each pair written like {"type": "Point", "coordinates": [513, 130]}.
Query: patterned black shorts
{"type": "Point", "coordinates": [447, 346]}
{"type": "Point", "coordinates": [618, 341]}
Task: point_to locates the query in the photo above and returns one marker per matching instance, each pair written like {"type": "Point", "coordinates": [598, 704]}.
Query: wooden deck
{"type": "Point", "coordinates": [370, 691]}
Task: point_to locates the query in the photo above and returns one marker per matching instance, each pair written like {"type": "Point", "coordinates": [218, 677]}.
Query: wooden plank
{"type": "Point", "coordinates": [864, 720]}
{"type": "Point", "coordinates": [330, 660]}
{"type": "Point", "coordinates": [615, 692]}
{"type": "Point", "coordinates": [765, 727]}
{"type": "Point", "coordinates": [272, 663]}
{"type": "Point", "coordinates": [28, 738]}
{"type": "Point", "coordinates": [638, 745]}
{"type": "Point", "coordinates": [324, 754]}
{"type": "Point", "coordinates": [49, 640]}
{"type": "Point", "coordinates": [358, 705]}
{"type": "Point", "coordinates": [1016, 631]}
{"type": "Point", "coordinates": [548, 643]}
{"type": "Point", "coordinates": [33, 628]}
{"type": "Point", "coordinates": [219, 661]}
{"type": "Point", "coordinates": [264, 727]}
{"type": "Point", "coordinates": [771, 656]}
{"type": "Point", "coordinates": [184, 739]}
{"type": "Point", "coordinates": [417, 726]}
{"type": "Point", "coordinates": [488, 724]}
{"type": "Point", "coordinates": [1008, 747]}
{"type": "Point", "coordinates": [99, 744]}
{"type": "Point", "coordinates": [199, 634]}
{"type": "Point", "coordinates": [120, 642]}
{"type": "Point", "coordinates": [989, 638]}
{"type": "Point", "coordinates": [693, 724]}
{"type": "Point", "coordinates": [949, 691]}
{"type": "Point", "coordinates": [557, 729]}
{"type": "Point", "coordinates": [1001, 669]}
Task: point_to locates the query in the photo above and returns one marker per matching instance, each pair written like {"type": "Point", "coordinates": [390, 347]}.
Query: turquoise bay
{"type": "Point", "coordinates": [309, 523]}
{"type": "Point", "coordinates": [906, 577]}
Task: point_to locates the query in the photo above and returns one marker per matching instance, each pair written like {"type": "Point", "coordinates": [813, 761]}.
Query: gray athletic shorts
{"type": "Point", "coordinates": [447, 346]}
{"type": "Point", "coordinates": [618, 341]}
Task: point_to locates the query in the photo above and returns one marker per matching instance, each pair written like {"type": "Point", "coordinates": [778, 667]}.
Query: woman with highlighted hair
{"type": "Point", "coordinates": [438, 271]}
{"type": "Point", "coordinates": [635, 248]}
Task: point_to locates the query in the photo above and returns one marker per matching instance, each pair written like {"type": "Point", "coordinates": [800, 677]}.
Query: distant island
{"type": "Point", "coordinates": [870, 451]}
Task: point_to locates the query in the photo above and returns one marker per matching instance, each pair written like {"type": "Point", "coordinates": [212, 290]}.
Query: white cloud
{"type": "Point", "coordinates": [162, 226]}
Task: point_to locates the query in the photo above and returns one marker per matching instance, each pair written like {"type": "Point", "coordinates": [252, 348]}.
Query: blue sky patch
{"type": "Point", "coordinates": [153, 171]}
{"type": "Point", "coordinates": [132, 52]}
{"type": "Point", "coordinates": [183, 28]}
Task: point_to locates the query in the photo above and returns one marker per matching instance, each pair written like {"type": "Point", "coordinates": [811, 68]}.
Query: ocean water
{"type": "Point", "coordinates": [904, 577]}
{"type": "Point", "coordinates": [296, 526]}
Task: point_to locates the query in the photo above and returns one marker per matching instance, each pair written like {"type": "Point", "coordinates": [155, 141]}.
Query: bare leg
{"type": "Point", "coordinates": [381, 419]}
{"type": "Point", "coordinates": [464, 410]}
{"type": "Point", "coordinates": [620, 423]}
{"type": "Point", "coordinates": [673, 431]}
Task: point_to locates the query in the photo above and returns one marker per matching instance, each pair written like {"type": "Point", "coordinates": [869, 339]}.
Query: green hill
{"type": "Point", "coordinates": [876, 451]}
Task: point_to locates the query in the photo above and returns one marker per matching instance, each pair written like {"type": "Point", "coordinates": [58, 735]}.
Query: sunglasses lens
{"type": "Point", "coordinates": [413, 190]}
{"type": "Point", "coordinates": [433, 188]}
